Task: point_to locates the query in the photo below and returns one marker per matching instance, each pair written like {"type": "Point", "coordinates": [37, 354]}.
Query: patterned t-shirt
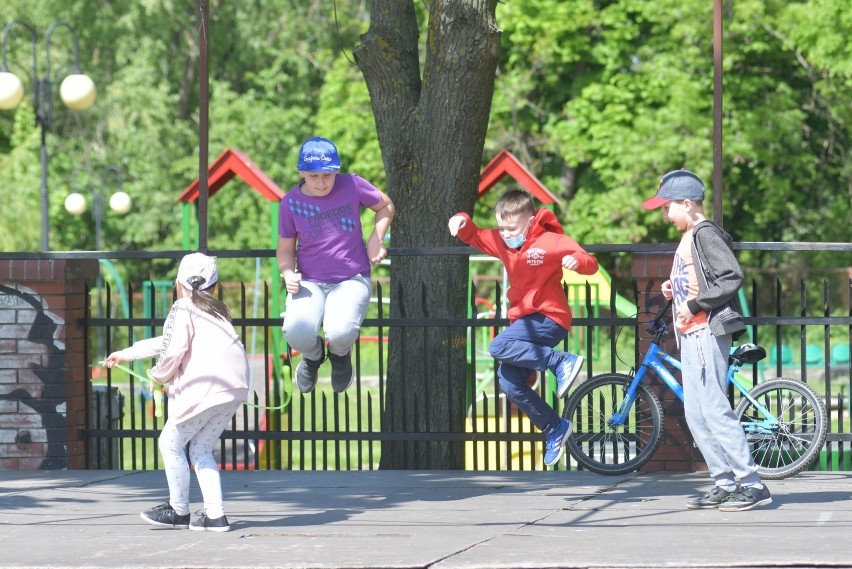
{"type": "Point", "coordinates": [684, 281]}
{"type": "Point", "coordinates": [329, 241]}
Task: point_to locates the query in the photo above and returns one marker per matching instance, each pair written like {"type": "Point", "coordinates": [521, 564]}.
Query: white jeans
{"type": "Point", "coordinates": [201, 433]}
{"type": "Point", "coordinates": [339, 308]}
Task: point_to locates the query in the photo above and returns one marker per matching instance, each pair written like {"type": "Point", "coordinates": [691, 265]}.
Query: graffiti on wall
{"type": "Point", "coordinates": [31, 330]}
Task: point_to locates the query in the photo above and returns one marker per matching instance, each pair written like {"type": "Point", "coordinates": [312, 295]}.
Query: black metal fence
{"type": "Point", "coordinates": [805, 324]}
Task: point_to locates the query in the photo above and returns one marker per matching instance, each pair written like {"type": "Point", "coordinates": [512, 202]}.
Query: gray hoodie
{"type": "Point", "coordinates": [720, 280]}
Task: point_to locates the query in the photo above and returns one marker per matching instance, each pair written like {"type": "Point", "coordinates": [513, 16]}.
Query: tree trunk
{"type": "Point", "coordinates": [431, 131]}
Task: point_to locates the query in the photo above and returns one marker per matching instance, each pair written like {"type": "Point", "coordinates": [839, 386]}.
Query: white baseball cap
{"type": "Point", "coordinates": [198, 265]}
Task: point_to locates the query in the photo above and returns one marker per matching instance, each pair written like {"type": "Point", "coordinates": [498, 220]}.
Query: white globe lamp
{"type": "Point", "coordinates": [75, 204]}
{"type": "Point", "coordinates": [77, 92]}
{"type": "Point", "coordinates": [120, 202]}
{"type": "Point", "coordinates": [11, 90]}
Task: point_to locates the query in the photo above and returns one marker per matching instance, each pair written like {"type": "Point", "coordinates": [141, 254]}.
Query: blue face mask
{"type": "Point", "coordinates": [516, 241]}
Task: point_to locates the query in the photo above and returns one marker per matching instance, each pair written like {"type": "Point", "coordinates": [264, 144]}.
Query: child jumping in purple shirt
{"type": "Point", "coordinates": [325, 263]}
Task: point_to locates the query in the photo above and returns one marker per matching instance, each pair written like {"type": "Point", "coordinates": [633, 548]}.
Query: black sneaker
{"type": "Point", "coordinates": [341, 372]}
{"type": "Point", "coordinates": [203, 523]}
{"type": "Point", "coordinates": [711, 499]}
{"type": "Point", "coordinates": [307, 373]}
{"type": "Point", "coordinates": [165, 516]}
{"type": "Point", "coordinates": [746, 499]}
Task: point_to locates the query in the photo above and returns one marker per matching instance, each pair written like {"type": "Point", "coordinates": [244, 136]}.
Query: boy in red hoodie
{"type": "Point", "coordinates": [534, 249]}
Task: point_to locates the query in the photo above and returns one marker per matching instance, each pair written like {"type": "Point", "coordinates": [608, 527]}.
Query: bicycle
{"type": "Point", "coordinates": [618, 421]}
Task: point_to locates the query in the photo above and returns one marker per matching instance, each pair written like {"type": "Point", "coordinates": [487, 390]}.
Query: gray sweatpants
{"type": "Point", "coordinates": [339, 308]}
{"type": "Point", "coordinates": [713, 424]}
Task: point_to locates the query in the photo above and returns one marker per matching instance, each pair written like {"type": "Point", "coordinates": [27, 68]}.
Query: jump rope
{"type": "Point", "coordinates": [157, 392]}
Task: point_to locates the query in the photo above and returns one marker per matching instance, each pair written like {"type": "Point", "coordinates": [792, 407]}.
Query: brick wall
{"type": "Point", "coordinates": [677, 452]}
{"type": "Point", "coordinates": [43, 389]}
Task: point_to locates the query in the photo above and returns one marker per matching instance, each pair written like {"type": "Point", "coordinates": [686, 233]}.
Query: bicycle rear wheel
{"type": "Point", "coordinates": [598, 443]}
{"type": "Point", "coordinates": [788, 446]}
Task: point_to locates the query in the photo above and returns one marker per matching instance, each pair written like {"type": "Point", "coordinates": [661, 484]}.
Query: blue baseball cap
{"type": "Point", "coordinates": [318, 155]}
{"type": "Point", "coordinates": [677, 185]}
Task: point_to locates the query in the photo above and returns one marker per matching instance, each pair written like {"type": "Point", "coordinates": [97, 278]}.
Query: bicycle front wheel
{"type": "Point", "coordinates": [789, 440]}
{"type": "Point", "coordinates": [603, 444]}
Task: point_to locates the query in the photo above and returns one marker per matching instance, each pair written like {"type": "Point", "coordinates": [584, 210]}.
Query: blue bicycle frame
{"type": "Point", "coordinates": [657, 359]}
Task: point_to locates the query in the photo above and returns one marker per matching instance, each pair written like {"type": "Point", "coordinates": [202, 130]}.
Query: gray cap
{"type": "Point", "coordinates": [675, 186]}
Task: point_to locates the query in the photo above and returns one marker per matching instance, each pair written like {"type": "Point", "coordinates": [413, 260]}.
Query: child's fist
{"type": "Point", "coordinates": [292, 281]}
{"type": "Point", "coordinates": [569, 262]}
{"type": "Point", "coordinates": [456, 222]}
{"type": "Point", "coordinates": [667, 290]}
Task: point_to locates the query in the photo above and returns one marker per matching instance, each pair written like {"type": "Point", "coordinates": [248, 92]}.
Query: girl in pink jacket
{"type": "Point", "coordinates": [204, 363]}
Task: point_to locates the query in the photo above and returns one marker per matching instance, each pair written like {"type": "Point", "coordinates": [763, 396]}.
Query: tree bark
{"type": "Point", "coordinates": [431, 131]}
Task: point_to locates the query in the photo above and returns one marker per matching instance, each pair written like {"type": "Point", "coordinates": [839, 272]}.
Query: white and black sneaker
{"type": "Point", "coordinates": [203, 523]}
{"type": "Point", "coordinates": [746, 498]}
{"type": "Point", "coordinates": [165, 516]}
{"type": "Point", "coordinates": [711, 499]}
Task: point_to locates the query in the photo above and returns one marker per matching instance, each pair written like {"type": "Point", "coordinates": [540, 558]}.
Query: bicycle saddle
{"type": "Point", "coordinates": [747, 354]}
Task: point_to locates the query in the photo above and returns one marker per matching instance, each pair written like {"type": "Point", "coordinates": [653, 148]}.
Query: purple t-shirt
{"type": "Point", "coordinates": [329, 241]}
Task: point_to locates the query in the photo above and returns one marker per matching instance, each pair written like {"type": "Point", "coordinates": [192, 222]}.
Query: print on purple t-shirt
{"type": "Point", "coordinates": [329, 241]}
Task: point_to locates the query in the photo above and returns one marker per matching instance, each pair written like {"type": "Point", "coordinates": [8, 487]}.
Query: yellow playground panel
{"type": "Point", "coordinates": [502, 455]}
{"type": "Point", "coordinates": [600, 292]}
{"type": "Point", "coordinates": [595, 292]}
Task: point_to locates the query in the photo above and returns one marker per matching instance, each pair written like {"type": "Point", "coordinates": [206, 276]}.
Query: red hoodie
{"type": "Point", "coordinates": [534, 270]}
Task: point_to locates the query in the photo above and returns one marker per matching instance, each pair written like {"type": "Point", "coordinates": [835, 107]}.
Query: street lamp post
{"type": "Point", "coordinates": [119, 202]}
{"type": "Point", "coordinates": [77, 91]}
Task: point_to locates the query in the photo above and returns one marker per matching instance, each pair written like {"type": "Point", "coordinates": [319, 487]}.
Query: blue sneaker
{"type": "Point", "coordinates": [556, 442]}
{"type": "Point", "coordinates": [566, 372]}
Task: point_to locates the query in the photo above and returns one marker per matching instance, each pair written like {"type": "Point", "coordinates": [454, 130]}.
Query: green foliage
{"type": "Point", "coordinates": [602, 103]}
{"type": "Point", "coordinates": [597, 99]}
{"type": "Point", "coordinates": [20, 185]}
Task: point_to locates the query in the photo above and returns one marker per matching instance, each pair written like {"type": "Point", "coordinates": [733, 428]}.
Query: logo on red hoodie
{"type": "Point", "coordinates": [535, 256]}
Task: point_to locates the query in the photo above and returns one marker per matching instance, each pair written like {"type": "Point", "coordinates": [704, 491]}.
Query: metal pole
{"type": "Point", "coordinates": [717, 111]}
{"type": "Point", "coordinates": [98, 211]}
{"type": "Point", "coordinates": [203, 99]}
{"type": "Point", "coordinates": [42, 103]}
{"type": "Point", "coordinates": [42, 92]}
{"type": "Point", "coordinates": [45, 210]}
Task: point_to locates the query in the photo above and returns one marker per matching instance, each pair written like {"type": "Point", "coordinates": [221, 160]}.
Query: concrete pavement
{"type": "Point", "coordinates": [415, 519]}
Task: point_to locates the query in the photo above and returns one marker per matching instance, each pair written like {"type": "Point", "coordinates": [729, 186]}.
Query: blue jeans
{"type": "Point", "coordinates": [527, 345]}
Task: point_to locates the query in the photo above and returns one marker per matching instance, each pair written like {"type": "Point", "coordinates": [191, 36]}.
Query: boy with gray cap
{"type": "Point", "coordinates": [703, 288]}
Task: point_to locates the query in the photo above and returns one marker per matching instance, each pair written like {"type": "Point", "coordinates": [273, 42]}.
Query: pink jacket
{"type": "Point", "coordinates": [201, 357]}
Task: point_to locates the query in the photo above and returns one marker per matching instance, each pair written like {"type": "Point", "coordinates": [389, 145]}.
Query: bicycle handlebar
{"type": "Point", "coordinates": [657, 321]}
